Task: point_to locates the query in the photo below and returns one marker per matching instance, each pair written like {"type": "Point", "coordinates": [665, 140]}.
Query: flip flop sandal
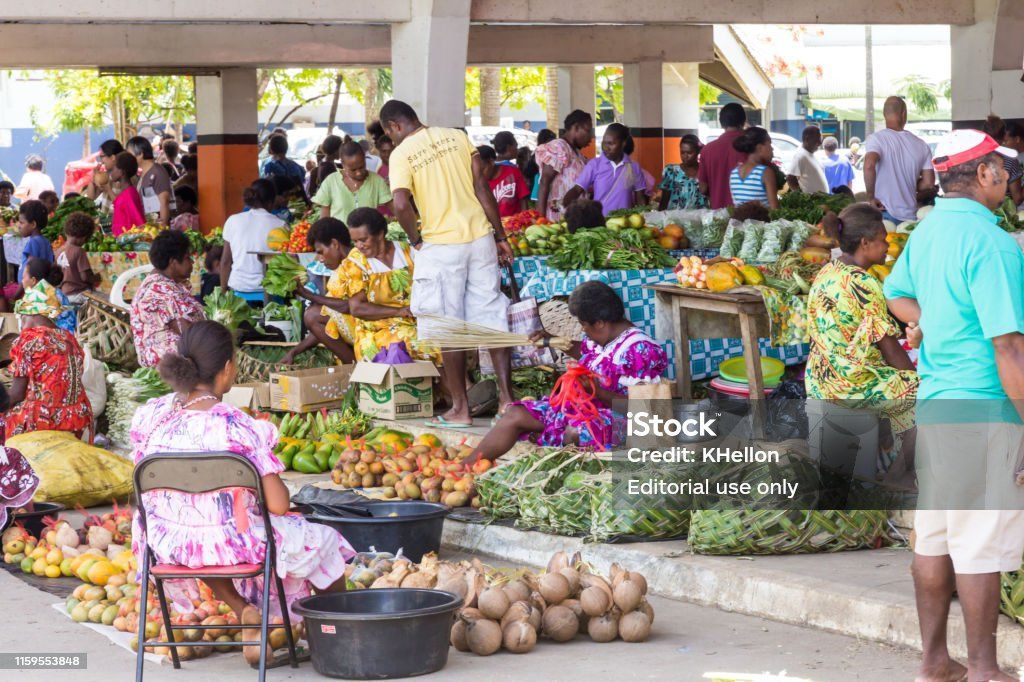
{"type": "Point", "coordinates": [445, 424]}
{"type": "Point", "coordinates": [280, 658]}
{"type": "Point", "coordinates": [482, 397]}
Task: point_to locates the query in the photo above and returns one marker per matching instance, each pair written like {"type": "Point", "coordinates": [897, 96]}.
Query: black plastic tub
{"type": "Point", "coordinates": [32, 521]}
{"type": "Point", "coordinates": [416, 529]}
{"type": "Point", "coordinates": [379, 634]}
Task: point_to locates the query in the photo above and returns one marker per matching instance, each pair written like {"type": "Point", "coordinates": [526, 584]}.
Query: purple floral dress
{"type": "Point", "coordinates": [18, 482]}
{"type": "Point", "coordinates": [632, 358]}
{"type": "Point", "coordinates": [225, 527]}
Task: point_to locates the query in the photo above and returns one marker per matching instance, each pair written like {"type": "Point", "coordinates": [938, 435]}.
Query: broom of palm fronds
{"type": "Point", "coordinates": [453, 334]}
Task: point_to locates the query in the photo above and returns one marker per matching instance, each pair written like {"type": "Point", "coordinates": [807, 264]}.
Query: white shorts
{"type": "Point", "coordinates": [977, 540]}
{"type": "Point", "coordinates": [461, 281]}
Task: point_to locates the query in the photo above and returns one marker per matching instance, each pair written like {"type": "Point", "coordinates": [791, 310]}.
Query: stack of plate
{"type": "Point", "coordinates": [732, 377]}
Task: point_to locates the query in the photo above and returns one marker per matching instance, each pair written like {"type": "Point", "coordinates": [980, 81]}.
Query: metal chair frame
{"type": "Point", "coordinates": [208, 472]}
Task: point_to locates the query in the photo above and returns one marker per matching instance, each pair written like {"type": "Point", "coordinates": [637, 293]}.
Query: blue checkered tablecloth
{"type": "Point", "coordinates": [543, 283]}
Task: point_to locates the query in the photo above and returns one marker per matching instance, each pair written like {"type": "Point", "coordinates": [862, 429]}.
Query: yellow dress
{"type": "Point", "coordinates": [387, 288]}
{"type": "Point", "coordinates": [339, 325]}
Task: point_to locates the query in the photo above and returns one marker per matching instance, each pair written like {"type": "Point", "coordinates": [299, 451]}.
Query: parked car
{"type": "Point", "coordinates": [480, 135]}
{"type": "Point", "coordinates": [783, 145]}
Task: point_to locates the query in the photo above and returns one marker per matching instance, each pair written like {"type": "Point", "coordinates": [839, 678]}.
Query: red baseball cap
{"type": "Point", "coordinates": [961, 146]}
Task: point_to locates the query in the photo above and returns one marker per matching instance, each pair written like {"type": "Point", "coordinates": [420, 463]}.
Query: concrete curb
{"type": "Point", "coordinates": [765, 591]}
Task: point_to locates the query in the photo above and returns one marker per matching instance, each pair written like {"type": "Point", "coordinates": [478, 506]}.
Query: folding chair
{"type": "Point", "coordinates": [202, 472]}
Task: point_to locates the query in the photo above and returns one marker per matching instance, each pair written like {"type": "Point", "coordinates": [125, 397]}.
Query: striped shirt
{"type": "Point", "coordinates": [750, 188]}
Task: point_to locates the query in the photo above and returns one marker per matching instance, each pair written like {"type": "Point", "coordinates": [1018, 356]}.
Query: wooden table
{"type": "Point", "coordinates": [748, 307]}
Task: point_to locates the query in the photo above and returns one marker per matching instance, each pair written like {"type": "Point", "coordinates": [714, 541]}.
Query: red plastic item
{"type": "Point", "coordinates": [574, 395]}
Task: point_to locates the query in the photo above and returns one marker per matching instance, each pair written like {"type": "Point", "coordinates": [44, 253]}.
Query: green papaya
{"type": "Point", "coordinates": [322, 456]}
{"type": "Point", "coordinates": [287, 457]}
{"type": "Point", "coordinates": [306, 464]}
{"type": "Point", "coordinates": [333, 458]}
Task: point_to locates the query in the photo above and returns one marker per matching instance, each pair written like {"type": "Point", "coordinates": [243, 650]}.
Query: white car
{"type": "Point", "coordinates": [482, 135]}
{"type": "Point", "coordinates": [783, 145]}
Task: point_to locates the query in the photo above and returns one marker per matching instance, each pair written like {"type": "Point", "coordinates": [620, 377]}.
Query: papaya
{"type": "Point", "coordinates": [814, 254]}
{"type": "Point", "coordinates": [306, 464]}
{"type": "Point", "coordinates": [278, 238]}
{"type": "Point", "coordinates": [751, 275]}
{"type": "Point", "coordinates": [322, 456]}
{"type": "Point", "coordinates": [722, 277]}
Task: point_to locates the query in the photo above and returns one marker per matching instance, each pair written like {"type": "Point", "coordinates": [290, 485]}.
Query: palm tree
{"type": "Point", "coordinates": [921, 93]}
{"type": "Point", "coordinates": [869, 82]}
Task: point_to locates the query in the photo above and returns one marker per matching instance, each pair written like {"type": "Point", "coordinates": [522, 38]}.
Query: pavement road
{"type": "Point", "coordinates": [687, 641]}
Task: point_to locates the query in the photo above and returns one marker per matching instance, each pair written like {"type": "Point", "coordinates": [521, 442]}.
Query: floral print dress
{"type": "Point", "coordinates": [159, 302]}
{"type": "Point", "coordinates": [848, 316]}
{"type": "Point", "coordinates": [339, 325]}
{"type": "Point", "coordinates": [568, 162]}
{"type": "Point", "coordinates": [18, 483]}
{"type": "Point", "coordinates": [55, 400]}
{"type": "Point", "coordinates": [683, 191]}
{"type": "Point", "coordinates": [384, 286]}
{"type": "Point", "coordinates": [632, 358]}
{"type": "Point", "coordinates": [225, 528]}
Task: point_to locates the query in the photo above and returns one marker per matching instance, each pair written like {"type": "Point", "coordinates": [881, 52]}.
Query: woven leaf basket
{"type": "Point", "coordinates": [558, 321]}
{"type": "Point", "coordinates": [611, 516]}
{"type": "Point", "coordinates": [786, 531]}
{"type": "Point", "coordinates": [255, 369]}
{"type": "Point", "coordinates": [106, 329]}
{"type": "Point", "coordinates": [1013, 595]}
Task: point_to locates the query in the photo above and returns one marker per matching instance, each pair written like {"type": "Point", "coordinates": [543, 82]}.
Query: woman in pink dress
{"type": "Point", "coordinates": [561, 162]}
{"type": "Point", "coordinates": [225, 528]}
{"type": "Point", "coordinates": [128, 204]}
{"type": "Point", "coordinates": [619, 354]}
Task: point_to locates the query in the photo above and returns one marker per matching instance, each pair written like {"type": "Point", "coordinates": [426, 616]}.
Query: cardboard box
{"type": "Point", "coordinates": [253, 396]}
{"type": "Point", "coordinates": [396, 391]}
{"type": "Point", "coordinates": [305, 390]}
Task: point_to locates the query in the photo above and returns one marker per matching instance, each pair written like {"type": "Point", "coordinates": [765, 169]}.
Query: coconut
{"type": "Point", "coordinates": [595, 601]}
{"type": "Point", "coordinates": [560, 623]}
{"type": "Point", "coordinates": [519, 637]}
{"type": "Point", "coordinates": [648, 609]}
{"type": "Point", "coordinates": [517, 590]}
{"type": "Point", "coordinates": [557, 562]}
{"type": "Point", "coordinates": [483, 636]}
{"type": "Point", "coordinates": [634, 627]}
{"type": "Point", "coordinates": [458, 636]}
{"type": "Point", "coordinates": [421, 579]}
{"type": "Point", "coordinates": [535, 617]}
{"type": "Point", "coordinates": [640, 581]}
{"type": "Point", "coordinates": [456, 585]}
{"type": "Point", "coordinates": [604, 628]}
{"type": "Point", "coordinates": [554, 587]}
{"type": "Point", "coordinates": [573, 576]}
{"type": "Point", "coordinates": [493, 603]}
{"type": "Point", "coordinates": [471, 613]}
{"type": "Point", "coordinates": [594, 580]}
{"type": "Point", "coordinates": [577, 608]}
{"type": "Point", "coordinates": [519, 610]}
{"type": "Point", "coordinates": [537, 601]}
{"type": "Point", "coordinates": [627, 596]}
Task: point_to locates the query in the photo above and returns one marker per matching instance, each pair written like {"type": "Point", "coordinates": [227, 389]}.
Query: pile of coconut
{"type": "Point", "coordinates": [515, 609]}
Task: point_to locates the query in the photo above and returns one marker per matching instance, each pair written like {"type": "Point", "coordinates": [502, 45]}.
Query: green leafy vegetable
{"type": "Point", "coordinates": [401, 280]}
{"type": "Point", "coordinates": [809, 208]}
{"type": "Point", "coordinates": [283, 275]}
{"type": "Point", "coordinates": [228, 309]}
{"type": "Point", "coordinates": [605, 249]}
{"type": "Point", "coordinates": [55, 226]}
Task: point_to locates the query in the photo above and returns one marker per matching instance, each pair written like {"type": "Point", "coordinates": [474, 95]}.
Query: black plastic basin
{"type": "Point", "coordinates": [416, 529]}
{"type": "Point", "coordinates": [32, 521]}
{"type": "Point", "coordinates": [379, 634]}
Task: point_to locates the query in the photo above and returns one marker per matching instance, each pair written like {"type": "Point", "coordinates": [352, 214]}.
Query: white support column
{"type": "Point", "coordinates": [576, 89]}
{"type": "Point", "coordinates": [226, 124]}
{"type": "Point", "coordinates": [979, 87]}
{"type": "Point", "coordinates": [680, 106]}
{"type": "Point", "coordinates": [428, 57]}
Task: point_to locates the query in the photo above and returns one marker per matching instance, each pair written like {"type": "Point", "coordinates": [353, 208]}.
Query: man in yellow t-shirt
{"type": "Point", "coordinates": [460, 241]}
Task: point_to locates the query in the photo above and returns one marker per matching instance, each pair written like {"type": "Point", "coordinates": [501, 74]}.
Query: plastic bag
{"type": "Point", "coordinates": [801, 231]}
{"type": "Point", "coordinates": [733, 239]}
{"type": "Point", "coordinates": [774, 241]}
{"type": "Point", "coordinates": [753, 234]}
{"type": "Point", "coordinates": [94, 380]}
{"type": "Point", "coordinates": [74, 473]}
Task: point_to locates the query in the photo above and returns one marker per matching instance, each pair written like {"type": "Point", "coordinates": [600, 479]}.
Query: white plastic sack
{"type": "Point", "coordinates": [94, 379]}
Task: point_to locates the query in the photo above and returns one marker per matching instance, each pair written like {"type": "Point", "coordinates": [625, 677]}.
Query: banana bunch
{"type": "Point", "coordinates": [284, 274]}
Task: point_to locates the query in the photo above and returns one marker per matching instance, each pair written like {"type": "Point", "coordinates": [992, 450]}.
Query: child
{"type": "Point", "coordinates": [50, 200]}
{"type": "Point", "coordinates": [78, 274]}
{"type": "Point", "coordinates": [32, 219]}
{"type": "Point", "coordinates": [619, 354]}
{"type": "Point", "coordinates": [506, 181]}
{"type": "Point", "coordinates": [128, 203]}
{"type": "Point", "coordinates": [210, 279]}
{"type": "Point", "coordinates": [38, 270]}
{"type": "Point", "coordinates": [188, 216]}
{"type": "Point", "coordinates": [755, 179]}
{"type": "Point", "coordinates": [584, 214]}
{"type": "Point", "coordinates": [6, 192]}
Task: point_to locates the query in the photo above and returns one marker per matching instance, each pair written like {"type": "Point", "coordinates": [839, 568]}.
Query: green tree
{"type": "Point", "coordinates": [921, 93]}
{"type": "Point", "coordinates": [520, 86]}
{"type": "Point", "coordinates": [709, 94]}
{"type": "Point", "coordinates": [371, 88]}
{"type": "Point", "coordinates": [608, 88]}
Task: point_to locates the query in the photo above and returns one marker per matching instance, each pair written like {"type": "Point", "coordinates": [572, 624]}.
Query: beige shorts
{"type": "Point", "coordinates": [460, 281]}
{"type": "Point", "coordinates": [970, 467]}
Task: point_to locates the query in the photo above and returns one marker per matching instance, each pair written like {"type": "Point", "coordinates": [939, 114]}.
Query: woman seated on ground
{"type": "Point", "coordinates": [204, 529]}
{"type": "Point", "coordinates": [164, 306]}
{"type": "Point", "coordinates": [856, 359]}
{"type": "Point", "coordinates": [327, 318]}
{"type": "Point", "coordinates": [352, 187]}
{"type": "Point", "coordinates": [46, 364]}
{"type": "Point", "coordinates": [613, 349]}
{"type": "Point", "coordinates": [377, 277]}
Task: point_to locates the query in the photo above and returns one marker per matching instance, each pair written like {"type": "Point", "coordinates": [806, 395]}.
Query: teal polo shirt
{"type": "Point", "coordinates": [967, 275]}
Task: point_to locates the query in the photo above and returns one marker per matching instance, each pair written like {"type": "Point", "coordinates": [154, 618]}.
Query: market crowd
{"type": "Point", "coordinates": [955, 293]}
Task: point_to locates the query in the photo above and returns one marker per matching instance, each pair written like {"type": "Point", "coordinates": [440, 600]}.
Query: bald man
{"type": "Point", "coordinates": [897, 165]}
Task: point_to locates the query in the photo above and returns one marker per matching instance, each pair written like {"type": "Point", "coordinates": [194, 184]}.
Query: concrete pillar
{"type": "Point", "coordinates": [575, 90]}
{"type": "Point", "coordinates": [428, 58]}
{"type": "Point", "coordinates": [981, 83]}
{"type": "Point", "coordinates": [662, 105]}
{"type": "Point", "coordinates": [226, 124]}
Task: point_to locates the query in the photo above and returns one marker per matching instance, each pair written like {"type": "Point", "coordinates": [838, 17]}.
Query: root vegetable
{"type": "Point", "coordinates": [493, 603]}
{"type": "Point", "coordinates": [554, 587]}
{"type": "Point", "coordinates": [458, 636]}
{"type": "Point", "coordinates": [605, 628]}
{"type": "Point", "coordinates": [634, 626]}
{"type": "Point", "coordinates": [627, 595]}
{"type": "Point", "coordinates": [519, 637]}
{"type": "Point", "coordinates": [483, 636]}
{"type": "Point", "coordinates": [595, 601]}
{"type": "Point", "coordinates": [560, 623]}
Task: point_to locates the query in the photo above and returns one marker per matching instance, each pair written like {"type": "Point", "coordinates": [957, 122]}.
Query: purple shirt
{"type": "Point", "coordinates": [612, 185]}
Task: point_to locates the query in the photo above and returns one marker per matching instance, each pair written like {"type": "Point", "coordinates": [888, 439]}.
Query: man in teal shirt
{"type": "Point", "coordinates": [961, 278]}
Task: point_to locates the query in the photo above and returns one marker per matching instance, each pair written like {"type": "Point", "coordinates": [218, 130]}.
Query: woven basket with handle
{"type": "Point", "coordinates": [106, 329]}
{"type": "Point", "coordinates": [558, 321]}
{"type": "Point", "coordinates": [252, 369]}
